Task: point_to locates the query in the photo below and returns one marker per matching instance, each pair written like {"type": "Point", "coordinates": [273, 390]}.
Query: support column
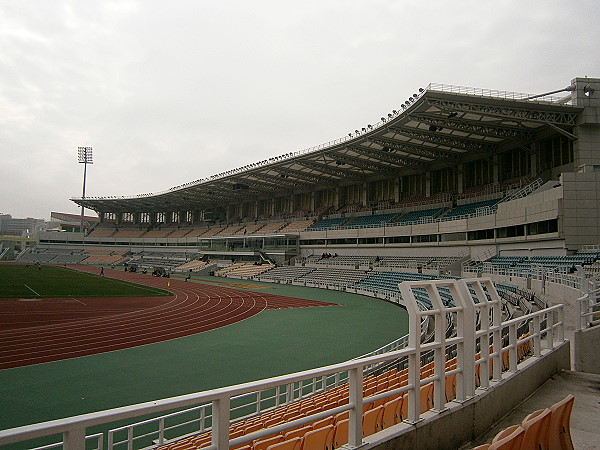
{"type": "Point", "coordinates": [495, 170]}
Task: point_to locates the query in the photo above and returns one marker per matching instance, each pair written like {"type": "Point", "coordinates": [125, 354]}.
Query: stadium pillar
{"type": "Point", "coordinates": [495, 170]}
{"type": "Point", "coordinates": [336, 200]}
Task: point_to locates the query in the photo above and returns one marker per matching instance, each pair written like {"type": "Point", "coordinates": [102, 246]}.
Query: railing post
{"type": "Point", "coordinates": [202, 419]}
{"type": "Point", "coordinates": [465, 379]}
{"type": "Point", "coordinates": [161, 430]}
{"type": "Point", "coordinates": [512, 348]}
{"type": "Point", "coordinates": [355, 379]}
{"type": "Point", "coordinates": [537, 338]}
{"type": "Point", "coordinates": [414, 341]}
{"type": "Point", "coordinates": [561, 327]}
{"type": "Point", "coordinates": [550, 327]}
{"type": "Point", "coordinates": [220, 422]}
{"type": "Point", "coordinates": [439, 360]}
{"type": "Point", "coordinates": [74, 439]}
{"type": "Point", "coordinates": [258, 400]}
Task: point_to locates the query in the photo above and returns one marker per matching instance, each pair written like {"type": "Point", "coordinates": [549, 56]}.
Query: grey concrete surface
{"type": "Point", "coordinates": [585, 418]}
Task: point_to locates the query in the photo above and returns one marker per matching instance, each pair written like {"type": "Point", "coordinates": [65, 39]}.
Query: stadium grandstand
{"type": "Point", "coordinates": [476, 210]}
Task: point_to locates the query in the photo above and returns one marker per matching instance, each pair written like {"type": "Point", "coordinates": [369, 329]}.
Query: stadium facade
{"type": "Point", "coordinates": [453, 171]}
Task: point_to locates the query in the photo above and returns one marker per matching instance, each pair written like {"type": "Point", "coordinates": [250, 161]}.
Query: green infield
{"type": "Point", "coordinates": [32, 281]}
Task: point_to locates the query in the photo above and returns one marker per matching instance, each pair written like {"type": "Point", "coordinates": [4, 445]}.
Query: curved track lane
{"type": "Point", "coordinates": [86, 326]}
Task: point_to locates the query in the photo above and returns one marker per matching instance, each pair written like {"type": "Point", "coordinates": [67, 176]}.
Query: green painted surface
{"type": "Point", "coordinates": [271, 343]}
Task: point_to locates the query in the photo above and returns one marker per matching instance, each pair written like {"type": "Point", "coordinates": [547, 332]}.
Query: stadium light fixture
{"type": "Point", "coordinates": [84, 155]}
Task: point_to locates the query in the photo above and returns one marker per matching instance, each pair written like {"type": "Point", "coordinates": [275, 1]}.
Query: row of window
{"type": "Point", "coordinates": [531, 229]}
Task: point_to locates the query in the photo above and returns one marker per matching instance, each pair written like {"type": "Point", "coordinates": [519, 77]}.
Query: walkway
{"type": "Point", "coordinates": [585, 418]}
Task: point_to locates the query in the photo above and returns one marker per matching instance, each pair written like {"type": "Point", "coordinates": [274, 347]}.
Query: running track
{"type": "Point", "coordinates": [54, 329]}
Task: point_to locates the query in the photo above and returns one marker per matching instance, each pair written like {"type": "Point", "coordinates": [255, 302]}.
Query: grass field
{"type": "Point", "coordinates": [30, 281]}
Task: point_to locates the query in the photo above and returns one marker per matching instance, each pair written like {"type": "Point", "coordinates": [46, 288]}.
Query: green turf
{"type": "Point", "coordinates": [30, 281]}
{"type": "Point", "coordinates": [271, 343]}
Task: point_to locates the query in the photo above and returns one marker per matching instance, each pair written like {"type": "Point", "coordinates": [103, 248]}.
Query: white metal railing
{"type": "Point", "coordinates": [491, 93]}
{"type": "Point", "coordinates": [97, 439]}
{"type": "Point", "coordinates": [525, 191]}
{"type": "Point", "coordinates": [199, 417]}
{"type": "Point", "coordinates": [589, 305]}
{"type": "Point", "coordinates": [545, 328]}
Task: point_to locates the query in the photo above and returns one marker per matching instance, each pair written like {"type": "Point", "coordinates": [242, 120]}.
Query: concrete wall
{"type": "Point", "coordinates": [462, 423]}
{"type": "Point", "coordinates": [587, 356]}
{"type": "Point", "coordinates": [581, 207]}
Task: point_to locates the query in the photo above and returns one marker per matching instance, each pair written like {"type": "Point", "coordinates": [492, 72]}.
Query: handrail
{"type": "Point", "coordinates": [589, 310]}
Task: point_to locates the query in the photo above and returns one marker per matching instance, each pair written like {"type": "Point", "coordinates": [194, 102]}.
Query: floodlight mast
{"type": "Point", "coordinates": [84, 155]}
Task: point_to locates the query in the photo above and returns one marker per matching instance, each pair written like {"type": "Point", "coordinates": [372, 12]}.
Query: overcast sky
{"type": "Point", "coordinates": [171, 92]}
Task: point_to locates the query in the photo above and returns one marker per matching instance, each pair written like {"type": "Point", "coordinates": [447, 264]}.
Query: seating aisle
{"type": "Point", "coordinates": [585, 416]}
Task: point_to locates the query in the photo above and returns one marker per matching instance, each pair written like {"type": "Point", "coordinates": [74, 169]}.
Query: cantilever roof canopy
{"type": "Point", "coordinates": [441, 126]}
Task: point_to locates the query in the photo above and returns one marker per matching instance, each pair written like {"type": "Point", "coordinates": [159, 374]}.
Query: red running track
{"type": "Point", "coordinates": [33, 332]}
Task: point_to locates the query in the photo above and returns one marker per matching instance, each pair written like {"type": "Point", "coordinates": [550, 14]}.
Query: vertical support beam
{"type": "Point", "coordinates": [439, 359]}
{"type": "Point", "coordinates": [355, 378]}
{"type": "Point", "coordinates": [512, 348]}
{"type": "Point", "coordinates": [465, 328]}
{"type": "Point", "coordinates": [74, 439]}
{"type": "Point", "coordinates": [415, 391]}
{"type": "Point", "coordinates": [414, 341]}
{"type": "Point", "coordinates": [533, 160]}
{"type": "Point", "coordinates": [220, 423]}
{"type": "Point", "coordinates": [495, 169]}
{"type": "Point", "coordinates": [537, 339]}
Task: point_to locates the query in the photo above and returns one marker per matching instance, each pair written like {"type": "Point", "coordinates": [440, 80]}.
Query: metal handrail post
{"type": "Point", "coordinates": [465, 328]}
{"type": "Point", "coordinates": [220, 422]}
{"type": "Point", "coordinates": [355, 378]}
{"type": "Point", "coordinates": [74, 438]}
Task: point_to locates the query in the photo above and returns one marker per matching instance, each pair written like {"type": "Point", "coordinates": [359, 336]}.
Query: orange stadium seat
{"type": "Point", "coordinates": [288, 444]}
{"type": "Point", "coordinates": [537, 426]}
{"type": "Point", "coordinates": [319, 439]}
{"type": "Point", "coordinates": [560, 424]}
{"type": "Point", "coordinates": [264, 443]}
{"type": "Point", "coordinates": [340, 433]}
{"type": "Point", "coordinates": [372, 421]}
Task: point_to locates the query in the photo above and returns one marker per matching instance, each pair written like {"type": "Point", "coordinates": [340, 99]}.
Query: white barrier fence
{"type": "Point", "coordinates": [475, 308]}
{"type": "Point", "coordinates": [589, 305]}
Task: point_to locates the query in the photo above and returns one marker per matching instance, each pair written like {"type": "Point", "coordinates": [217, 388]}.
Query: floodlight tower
{"type": "Point", "coordinates": [84, 155]}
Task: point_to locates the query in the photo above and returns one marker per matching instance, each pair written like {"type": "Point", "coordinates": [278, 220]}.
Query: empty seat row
{"type": "Point", "coordinates": [544, 429]}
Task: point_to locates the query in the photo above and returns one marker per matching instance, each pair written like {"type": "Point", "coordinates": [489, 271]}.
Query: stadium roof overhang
{"type": "Point", "coordinates": [442, 126]}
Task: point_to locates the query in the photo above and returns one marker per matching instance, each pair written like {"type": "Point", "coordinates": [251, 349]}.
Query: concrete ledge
{"type": "Point", "coordinates": [587, 357]}
{"type": "Point", "coordinates": [461, 423]}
